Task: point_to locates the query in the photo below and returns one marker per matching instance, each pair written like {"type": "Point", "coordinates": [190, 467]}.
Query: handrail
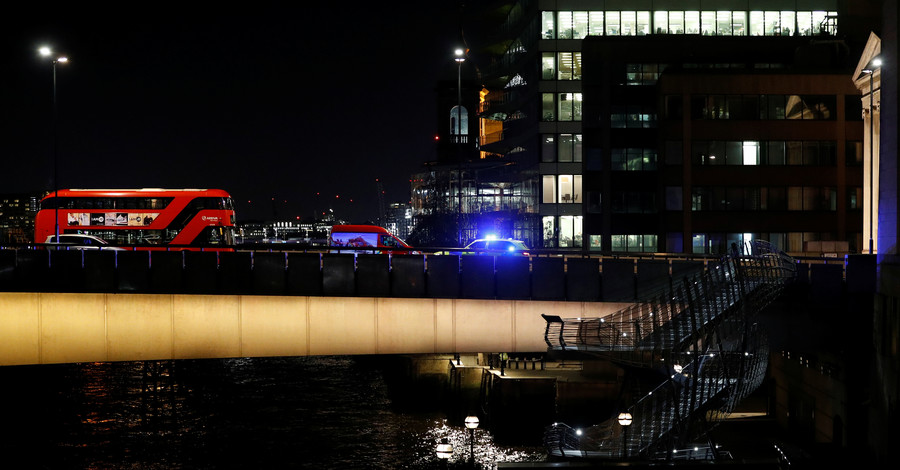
{"type": "Point", "coordinates": [703, 333]}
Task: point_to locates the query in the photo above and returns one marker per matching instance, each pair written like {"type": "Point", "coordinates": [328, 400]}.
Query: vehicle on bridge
{"type": "Point", "coordinates": [73, 241]}
{"type": "Point", "coordinates": [145, 219]}
{"type": "Point", "coordinates": [365, 239]}
{"type": "Point", "coordinates": [492, 246]}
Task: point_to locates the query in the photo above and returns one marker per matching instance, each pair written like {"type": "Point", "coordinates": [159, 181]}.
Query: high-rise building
{"type": "Point", "coordinates": [695, 143]}
{"type": "Point", "coordinates": [17, 213]}
{"type": "Point", "coordinates": [677, 126]}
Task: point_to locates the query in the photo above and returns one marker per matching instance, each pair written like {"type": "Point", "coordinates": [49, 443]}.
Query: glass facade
{"type": "Point", "coordinates": [561, 116]}
{"type": "Point", "coordinates": [770, 153]}
{"type": "Point", "coordinates": [762, 107]}
{"type": "Point", "coordinates": [633, 159]}
{"type": "Point", "coordinates": [580, 24]}
{"type": "Point", "coordinates": [563, 231]}
{"type": "Point", "coordinates": [711, 243]}
{"type": "Point", "coordinates": [632, 117]}
{"type": "Point", "coordinates": [563, 148]}
{"type": "Point", "coordinates": [646, 243]}
{"type": "Point", "coordinates": [763, 198]}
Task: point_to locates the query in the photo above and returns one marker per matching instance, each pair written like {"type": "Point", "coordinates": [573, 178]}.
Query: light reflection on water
{"type": "Point", "coordinates": [319, 412]}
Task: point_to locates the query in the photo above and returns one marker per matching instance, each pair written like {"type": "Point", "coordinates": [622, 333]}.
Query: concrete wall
{"type": "Point", "coordinates": [42, 328]}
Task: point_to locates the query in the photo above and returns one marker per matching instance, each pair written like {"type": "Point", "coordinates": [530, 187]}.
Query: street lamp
{"type": "Point", "coordinates": [870, 71]}
{"type": "Point", "coordinates": [471, 424]}
{"type": "Point", "coordinates": [625, 420]}
{"type": "Point", "coordinates": [444, 451]}
{"type": "Point", "coordinates": [460, 58]}
{"type": "Point", "coordinates": [47, 52]}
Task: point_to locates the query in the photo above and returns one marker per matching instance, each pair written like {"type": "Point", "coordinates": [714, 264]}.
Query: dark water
{"type": "Point", "coordinates": [318, 412]}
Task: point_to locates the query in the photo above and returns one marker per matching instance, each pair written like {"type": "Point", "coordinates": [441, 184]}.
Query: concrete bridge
{"type": "Point", "coordinates": [85, 306]}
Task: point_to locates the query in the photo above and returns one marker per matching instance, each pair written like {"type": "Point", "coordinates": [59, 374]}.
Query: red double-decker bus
{"type": "Point", "coordinates": [143, 218]}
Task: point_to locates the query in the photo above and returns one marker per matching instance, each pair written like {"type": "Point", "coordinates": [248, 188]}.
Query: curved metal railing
{"type": "Point", "coordinates": [703, 339]}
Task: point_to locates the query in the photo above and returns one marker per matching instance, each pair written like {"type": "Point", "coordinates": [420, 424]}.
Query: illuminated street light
{"type": "Point", "coordinates": [471, 424]}
{"type": "Point", "coordinates": [45, 51]}
{"type": "Point", "coordinates": [625, 420]}
{"type": "Point", "coordinates": [460, 58]}
{"type": "Point", "coordinates": [874, 64]}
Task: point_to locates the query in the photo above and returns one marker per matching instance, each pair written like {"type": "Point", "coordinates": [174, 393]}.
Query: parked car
{"type": "Point", "coordinates": [493, 247]}
{"type": "Point", "coordinates": [77, 241]}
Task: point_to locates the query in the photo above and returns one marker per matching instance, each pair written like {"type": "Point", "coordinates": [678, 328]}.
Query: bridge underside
{"type": "Point", "coordinates": [45, 328]}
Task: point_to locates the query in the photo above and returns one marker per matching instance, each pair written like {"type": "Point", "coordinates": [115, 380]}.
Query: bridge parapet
{"type": "Point", "coordinates": [557, 278]}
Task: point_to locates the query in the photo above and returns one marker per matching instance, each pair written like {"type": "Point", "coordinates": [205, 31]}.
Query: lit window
{"type": "Point", "coordinates": [751, 153]}
{"type": "Point", "coordinates": [676, 22]}
{"type": "Point", "coordinates": [566, 29]}
{"type": "Point", "coordinates": [569, 66]}
{"type": "Point", "coordinates": [634, 243]}
{"type": "Point", "coordinates": [613, 23]}
{"type": "Point", "coordinates": [661, 21]}
{"type": "Point", "coordinates": [549, 231]}
{"type": "Point", "coordinates": [580, 24]}
{"type": "Point", "coordinates": [549, 189]}
{"type": "Point", "coordinates": [629, 22]}
{"type": "Point", "coordinates": [570, 231]}
{"type": "Point", "coordinates": [569, 189]}
{"type": "Point", "coordinates": [548, 66]}
{"type": "Point", "coordinates": [595, 23]}
{"type": "Point", "coordinates": [549, 27]}
{"type": "Point", "coordinates": [569, 107]}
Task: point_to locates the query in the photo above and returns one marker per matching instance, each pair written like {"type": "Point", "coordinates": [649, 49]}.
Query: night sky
{"type": "Point", "coordinates": [267, 102]}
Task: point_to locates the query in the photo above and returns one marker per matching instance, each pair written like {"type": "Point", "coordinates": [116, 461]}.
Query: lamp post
{"type": "Point", "coordinates": [47, 52]}
{"type": "Point", "coordinates": [460, 58]}
{"type": "Point", "coordinates": [471, 424]}
{"type": "Point", "coordinates": [444, 451]}
{"type": "Point", "coordinates": [625, 420]}
{"type": "Point", "coordinates": [870, 71]}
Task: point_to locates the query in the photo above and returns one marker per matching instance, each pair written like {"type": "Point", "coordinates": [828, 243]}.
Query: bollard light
{"type": "Point", "coordinates": [444, 450]}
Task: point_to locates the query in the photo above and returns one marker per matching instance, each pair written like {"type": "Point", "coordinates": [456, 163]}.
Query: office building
{"type": "Point", "coordinates": [581, 96]}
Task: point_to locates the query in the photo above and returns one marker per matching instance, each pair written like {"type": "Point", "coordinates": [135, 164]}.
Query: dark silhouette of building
{"type": "Point", "coordinates": [695, 142]}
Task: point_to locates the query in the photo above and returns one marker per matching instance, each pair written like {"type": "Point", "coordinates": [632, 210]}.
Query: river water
{"type": "Point", "coordinates": [255, 413]}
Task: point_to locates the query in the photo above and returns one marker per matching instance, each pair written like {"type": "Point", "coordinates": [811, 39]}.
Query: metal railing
{"type": "Point", "coordinates": [702, 336]}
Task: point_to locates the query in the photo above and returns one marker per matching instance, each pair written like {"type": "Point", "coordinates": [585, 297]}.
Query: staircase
{"type": "Point", "coordinates": [701, 342]}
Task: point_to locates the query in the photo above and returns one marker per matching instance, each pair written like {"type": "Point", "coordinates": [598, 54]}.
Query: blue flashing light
{"type": "Point", "coordinates": [491, 237]}
{"type": "Point", "coordinates": [511, 249]}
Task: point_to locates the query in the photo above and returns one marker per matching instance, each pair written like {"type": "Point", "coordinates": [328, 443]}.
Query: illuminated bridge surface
{"type": "Point", "coordinates": [702, 342]}
{"type": "Point", "coordinates": [76, 306]}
